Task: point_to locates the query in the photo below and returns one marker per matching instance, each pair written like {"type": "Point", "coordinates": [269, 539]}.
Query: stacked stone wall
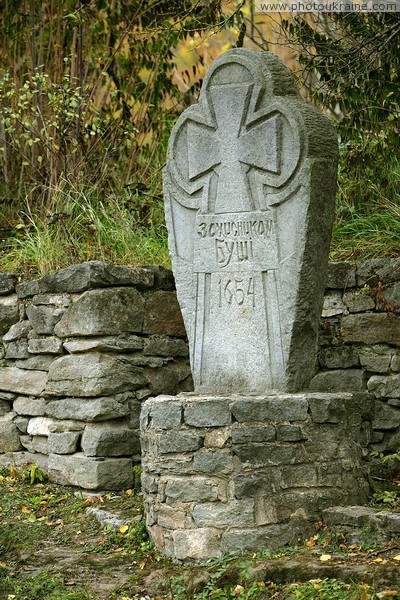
{"type": "Point", "coordinates": [84, 347]}
{"type": "Point", "coordinates": [360, 340]}
{"type": "Point", "coordinates": [81, 350]}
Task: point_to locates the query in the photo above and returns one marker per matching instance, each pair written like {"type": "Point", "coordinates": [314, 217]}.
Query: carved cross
{"type": "Point", "coordinates": [231, 147]}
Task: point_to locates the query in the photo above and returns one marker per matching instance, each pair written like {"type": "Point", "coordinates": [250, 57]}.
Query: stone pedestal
{"type": "Point", "coordinates": [248, 472]}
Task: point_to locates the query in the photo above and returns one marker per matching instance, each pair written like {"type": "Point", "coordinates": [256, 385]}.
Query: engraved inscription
{"type": "Point", "coordinates": [235, 242]}
{"type": "Point", "coordinates": [222, 229]}
{"type": "Point", "coordinates": [237, 250]}
{"type": "Point", "coordinates": [236, 290]}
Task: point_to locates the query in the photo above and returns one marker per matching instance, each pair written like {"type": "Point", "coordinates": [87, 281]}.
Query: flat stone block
{"type": "Point", "coordinates": [341, 275]}
{"type": "Point", "coordinates": [94, 274]}
{"type": "Point", "coordinates": [351, 380]}
{"type": "Point", "coordinates": [109, 440]}
{"type": "Point", "coordinates": [270, 454]}
{"type": "Point", "coordinates": [118, 343]}
{"type": "Point", "coordinates": [270, 536]}
{"type": "Point", "coordinates": [165, 414]}
{"type": "Point", "coordinates": [30, 406]}
{"type": "Point", "coordinates": [285, 432]}
{"type": "Point", "coordinates": [157, 345]}
{"type": "Point", "coordinates": [333, 305]}
{"type": "Point", "coordinates": [255, 484]}
{"type": "Point", "coordinates": [237, 513]}
{"type": "Point", "coordinates": [9, 435]}
{"type": "Point", "coordinates": [163, 315]}
{"type": "Point", "coordinates": [371, 328]}
{"type": "Point", "coordinates": [97, 409]}
{"type": "Point", "coordinates": [9, 312]}
{"type": "Point", "coordinates": [36, 443]}
{"type": "Point", "coordinates": [271, 408]}
{"type": "Point", "coordinates": [17, 349]}
{"type": "Point", "coordinates": [207, 412]}
{"type": "Point", "coordinates": [357, 301]}
{"type": "Point", "coordinates": [195, 489]}
{"type": "Point", "coordinates": [17, 331]}
{"type": "Point", "coordinates": [243, 433]}
{"type": "Point", "coordinates": [63, 443]}
{"type": "Point", "coordinates": [7, 283]}
{"type": "Point", "coordinates": [45, 345]}
{"type": "Point", "coordinates": [384, 386]}
{"type": "Point", "coordinates": [41, 362]}
{"type": "Point", "coordinates": [376, 358]}
{"type": "Point", "coordinates": [91, 473]}
{"type": "Point", "coordinates": [195, 544]}
{"type": "Point", "coordinates": [212, 461]}
{"type": "Point", "coordinates": [19, 381]}
{"type": "Point", "coordinates": [327, 409]}
{"type": "Point", "coordinates": [93, 374]}
{"type": "Point", "coordinates": [179, 441]}
{"type": "Point", "coordinates": [339, 357]}
{"type": "Point", "coordinates": [353, 516]}
{"type": "Point", "coordinates": [103, 312]}
{"type": "Point", "coordinates": [44, 318]}
{"type": "Point", "coordinates": [39, 426]}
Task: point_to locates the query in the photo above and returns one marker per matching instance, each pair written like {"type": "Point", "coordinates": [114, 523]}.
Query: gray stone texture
{"type": "Point", "coordinates": [29, 406]}
{"type": "Point", "coordinates": [341, 275]}
{"type": "Point", "coordinates": [9, 434]}
{"type": "Point", "coordinates": [93, 374]}
{"type": "Point", "coordinates": [258, 490]}
{"type": "Point", "coordinates": [359, 301]}
{"type": "Point", "coordinates": [351, 380]}
{"type": "Point", "coordinates": [103, 312]}
{"type": "Point", "coordinates": [9, 312]}
{"type": "Point", "coordinates": [118, 343]}
{"type": "Point", "coordinates": [228, 225]}
{"type": "Point", "coordinates": [94, 274]}
{"type": "Point", "coordinates": [208, 413]}
{"type": "Point", "coordinates": [7, 283]}
{"type": "Point", "coordinates": [371, 328]}
{"type": "Point", "coordinates": [20, 381]}
{"type": "Point", "coordinates": [161, 346]}
{"type": "Point", "coordinates": [91, 473]}
{"type": "Point", "coordinates": [339, 357]}
{"type": "Point", "coordinates": [17, 349]}
{"type": "Point", "coordinates": [44, 318]}
{"type": "Point", "coordinates": [88, 410]}
{"type": "Point", "coordinates": [17, 331]}
{"type": "Point", "coordinates": [41, 362]}
{"type": "Point", "coordinates": [110, 439]}
{"type": "Point", "coordinates": [163, 315]}
{"type": "Point", "coordinates": [45, 345]}
{"type": "Point", "coordinates": [376, 358]}
{"type": "Point", "coordinates": [333, 305]}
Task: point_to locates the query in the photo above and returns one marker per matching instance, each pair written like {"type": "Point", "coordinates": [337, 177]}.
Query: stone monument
{"type": "Point", "coordinates": [249, 190]}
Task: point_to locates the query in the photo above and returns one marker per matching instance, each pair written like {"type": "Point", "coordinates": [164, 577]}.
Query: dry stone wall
{"type": "Point", "coordinates": [83, 347]}
{"type": "Point", "coordinates": [359, 342]}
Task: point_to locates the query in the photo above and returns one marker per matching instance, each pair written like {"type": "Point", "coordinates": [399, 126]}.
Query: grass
{"type": "Point", "coordinates": [81, 227]}
{"type": "Point", "coordinates": [52, 550]}
{"type": "Point", "coordinates": [76, 222]}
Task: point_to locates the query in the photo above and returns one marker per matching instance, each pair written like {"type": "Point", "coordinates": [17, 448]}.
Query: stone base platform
{"type": "Point", "coordinates": [248, 472]}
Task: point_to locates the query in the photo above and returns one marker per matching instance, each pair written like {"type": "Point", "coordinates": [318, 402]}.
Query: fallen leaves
{"type": "Point", "coordinates": [325, 557]}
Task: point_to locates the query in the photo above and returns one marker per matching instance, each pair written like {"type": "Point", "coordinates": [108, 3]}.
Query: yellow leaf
{"type": "Point", "coordinates": [378, 560]}
{"type": "Point", "coordinates": [325, 557]}
{"type": "Point", "coordinates": [128, 492]}
{"type": "Point", "coordinates": [123, 528]}
{"type": "Point", "coordinates": [396, 557]}
{"type": "Point", "coordinates": [25, 509]}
